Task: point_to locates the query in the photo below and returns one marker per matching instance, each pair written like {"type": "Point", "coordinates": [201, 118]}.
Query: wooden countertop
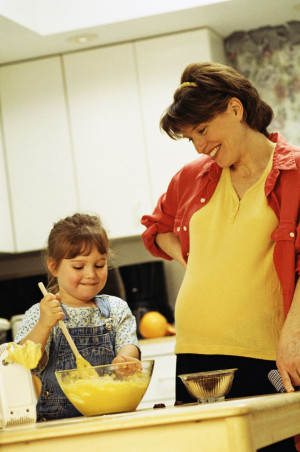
{"type": "Point", "coordinates": [240, 425]}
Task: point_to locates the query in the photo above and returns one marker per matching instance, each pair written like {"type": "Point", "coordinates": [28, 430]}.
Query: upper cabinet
{"type": "Point", "coordinates": [81, 132]}
{"type": "Point", "coordinates": [160, 63]}
{"type": "Point", "coordinates": [108, 139]}
{"type": "Point", "coordinates": [37, 144]}
{"type": "Point", "coordinates": [6, 228]}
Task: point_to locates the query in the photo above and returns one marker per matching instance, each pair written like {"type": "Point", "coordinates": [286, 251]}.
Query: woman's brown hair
{"type": "Point", "coordinates": [216, 84]}
{"type": "Point", "coordinates": [73, 236]}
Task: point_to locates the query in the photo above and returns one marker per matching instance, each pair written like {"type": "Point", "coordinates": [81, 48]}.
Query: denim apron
{"type": "Point", "coordinates": [95, 344]}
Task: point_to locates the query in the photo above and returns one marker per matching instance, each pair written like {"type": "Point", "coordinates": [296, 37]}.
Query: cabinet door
{"type": "Point", "coordinates": [160, 63]}
{"type": "Point", "coordinates": [108, 138]}
{"type": "Point", "coordinates": [6, 230]}
{"type": "Point", "coordinates": [37, 142]}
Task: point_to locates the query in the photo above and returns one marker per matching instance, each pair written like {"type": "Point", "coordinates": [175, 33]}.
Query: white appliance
{"type": "Point", "coordinates": [4, 327]}
{"type": "Point", "coordinates": [17, 398]}
{"type": "Point", "coordinates": [15, 322]}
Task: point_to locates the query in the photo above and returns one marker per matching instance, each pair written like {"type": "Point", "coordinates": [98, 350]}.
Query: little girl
{"type": "Point", "coordinates": [102, 326]}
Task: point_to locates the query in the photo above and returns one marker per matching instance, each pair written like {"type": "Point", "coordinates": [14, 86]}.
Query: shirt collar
{"type": "Point", "coordinates": [284, 158]}
{"type": "Point", "coordinates": [209, 166]}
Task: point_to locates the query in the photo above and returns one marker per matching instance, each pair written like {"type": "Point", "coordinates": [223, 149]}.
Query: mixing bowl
{"type": "Point", "coordinates": [211, 386]}
{"type": "Point", "coordinates": [111, 388]}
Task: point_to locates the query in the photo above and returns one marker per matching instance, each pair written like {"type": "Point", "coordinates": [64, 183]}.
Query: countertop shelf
{"type": "Point", "coordinates": [240, 425]}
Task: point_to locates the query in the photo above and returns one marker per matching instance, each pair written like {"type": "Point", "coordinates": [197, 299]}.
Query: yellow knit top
{"type": "Point", "coordinates": [230, 301]}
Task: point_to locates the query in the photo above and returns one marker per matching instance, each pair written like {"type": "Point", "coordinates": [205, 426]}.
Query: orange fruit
{"type": "Point", "coordinates": [170, 330]}
{"type": "Point", "coordinates": [153, 324]}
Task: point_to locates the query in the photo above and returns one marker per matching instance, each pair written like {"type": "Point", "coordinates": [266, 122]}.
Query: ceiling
{"type": "Point", "coordinates": [36, 28]}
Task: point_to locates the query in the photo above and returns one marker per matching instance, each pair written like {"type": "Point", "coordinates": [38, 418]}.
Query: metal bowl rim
{"type": "Point", "coordinates": [211, 373]}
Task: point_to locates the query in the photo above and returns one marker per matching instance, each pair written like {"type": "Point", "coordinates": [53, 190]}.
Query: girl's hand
{"type": "Point", "coordinates": [134, 365]}
{"type": "Point", "coordinates": [50, 311]}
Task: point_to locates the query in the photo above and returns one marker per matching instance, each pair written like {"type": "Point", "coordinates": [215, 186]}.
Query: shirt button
{"type": "Point", "coordinates": [184, 228]}
{"type": "Point", "coordinates": [178, 229]}
{"type": "Point", "coordinates": [202, 200]}
{"type": "Point", "coordinates": [46, 394]}
{"type": "Point", "coordinates": [292, 234]}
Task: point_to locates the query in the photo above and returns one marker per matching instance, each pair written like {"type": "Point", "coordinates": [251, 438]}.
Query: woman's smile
{"type": "Point", "coordinates": [215, 150]}
{"type": "Point", "coordinates": [219, 138]}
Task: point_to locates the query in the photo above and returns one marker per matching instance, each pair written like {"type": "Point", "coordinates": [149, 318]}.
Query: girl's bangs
{"type": "Point", "coordinates": [83, 246]}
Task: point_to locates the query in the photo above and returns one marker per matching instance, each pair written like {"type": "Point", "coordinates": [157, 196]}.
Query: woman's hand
{"type": "Point", "coordinates": [170, 244]}
{"type": "Point", "coordinates": [288, 357]}
{"type": "Point", "coordinates": [288, 350]}
{"type": "Point", "coordinates": [50, 311]}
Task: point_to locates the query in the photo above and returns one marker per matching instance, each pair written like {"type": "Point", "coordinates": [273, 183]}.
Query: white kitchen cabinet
{"type": "Point", "coordinates": [108, 138]}
{"type": "Point", "coordinates": [162, 385]}
{"type": "Point", "coordinates": [37, 143]}
{"type": "Point", "coordinates": [160, 63]}
{"type": "Point", "coordinates": [6, 230]}
{"type": "Point", "coordinates": [81, 132]}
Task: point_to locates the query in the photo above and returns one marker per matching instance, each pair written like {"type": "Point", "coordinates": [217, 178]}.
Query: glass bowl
{"type": "Point", "coordinates": [211, 386]}
{"type": "Point", "coordinates": [111, 388]}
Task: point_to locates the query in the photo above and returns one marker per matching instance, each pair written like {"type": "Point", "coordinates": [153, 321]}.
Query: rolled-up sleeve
{"type": "Point", "coordinates": [297, 250]}
{"type": "Point", "coordinates": [161, 220]}
{"type": "Point", "coordinates": [30, 319]}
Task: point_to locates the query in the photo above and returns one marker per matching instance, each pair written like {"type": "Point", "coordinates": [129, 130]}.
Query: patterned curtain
{"type": "Point", "coordinates": [270, 58]}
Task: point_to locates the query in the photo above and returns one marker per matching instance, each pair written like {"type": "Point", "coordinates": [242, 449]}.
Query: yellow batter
{"type": "Point", "coordinates": [28, 354]}
{"type": "Point", "coordinates": [106, 394]}
{"type": "Point", "coordinates": [85, 368]}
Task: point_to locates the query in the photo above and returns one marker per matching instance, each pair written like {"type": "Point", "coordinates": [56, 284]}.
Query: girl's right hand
{"type": "Point", "coordinates": [50, 310]}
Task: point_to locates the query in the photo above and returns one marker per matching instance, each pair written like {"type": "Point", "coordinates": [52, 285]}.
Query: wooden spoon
{"type": "Point", "coordinates": [80, 361]}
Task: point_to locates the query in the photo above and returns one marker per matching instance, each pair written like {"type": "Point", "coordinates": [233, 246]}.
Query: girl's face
{"type": "Point", "coordinates": [221, 138]}
{"type": "Point", "coordinates": [80, 279]}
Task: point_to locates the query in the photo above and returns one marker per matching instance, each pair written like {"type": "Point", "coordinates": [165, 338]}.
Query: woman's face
{"type": "Point", "coordinates": [80, 279]}
{"type": "Point", "coordinates": [223, 137]}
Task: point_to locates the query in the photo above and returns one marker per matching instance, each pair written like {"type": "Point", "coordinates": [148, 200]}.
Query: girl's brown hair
{"type": "Point", "coordinates": [73, 236]}
{"type": "Point", "coordinates": [216, 85]}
